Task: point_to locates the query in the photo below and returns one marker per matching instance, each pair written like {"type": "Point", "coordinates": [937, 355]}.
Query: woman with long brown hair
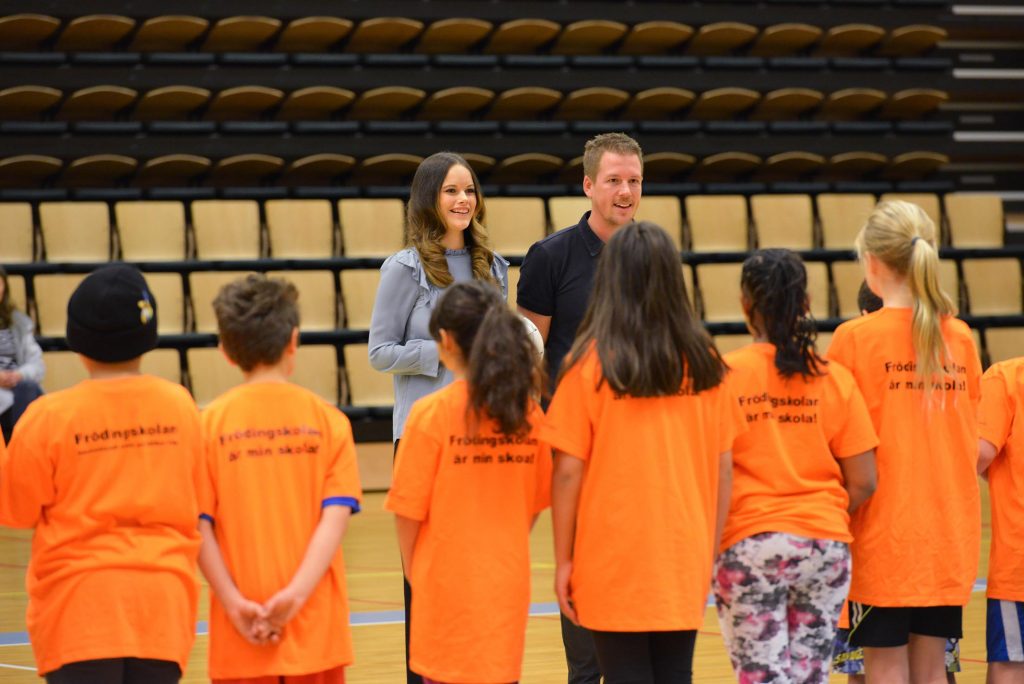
{"type": "Point", "coordinates": [21, 361]}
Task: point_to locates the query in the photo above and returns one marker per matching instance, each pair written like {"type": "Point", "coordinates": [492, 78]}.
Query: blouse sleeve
{"type": "Point", "coordinates": [30, 356]}
{"type": "Point", "coordinates": [389, 351]}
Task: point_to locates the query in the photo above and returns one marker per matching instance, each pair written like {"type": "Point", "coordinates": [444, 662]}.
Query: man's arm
{"type": "Point", "coordinates": [543, 323]}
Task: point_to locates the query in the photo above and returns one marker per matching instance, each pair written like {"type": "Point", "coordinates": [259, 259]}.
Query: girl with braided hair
{"type": "Point", "coordinates": [806, 461]}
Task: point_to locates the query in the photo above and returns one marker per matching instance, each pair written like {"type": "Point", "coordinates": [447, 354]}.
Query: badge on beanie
{"type": "Point", "coordinates": [145, 308]}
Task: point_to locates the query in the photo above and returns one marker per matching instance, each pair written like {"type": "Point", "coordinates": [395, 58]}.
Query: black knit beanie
{"type": "Point", "coordinates": [112, 315]}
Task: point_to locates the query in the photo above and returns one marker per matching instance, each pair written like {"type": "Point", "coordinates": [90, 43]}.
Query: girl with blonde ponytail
{"type": "Point", "coordinates": [916, 541]}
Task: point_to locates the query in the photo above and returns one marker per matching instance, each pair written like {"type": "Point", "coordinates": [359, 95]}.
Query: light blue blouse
{"type": "Point", "coordinates": [400, 341]}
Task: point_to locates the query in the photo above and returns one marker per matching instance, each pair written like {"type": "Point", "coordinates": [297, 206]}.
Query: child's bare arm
{"type": "Point", "coordinates": [247, 616]}
{"type": "Point", "coordinates": [566, 484]}
{"type": "Point", "coordinates": [407, 530]}
{"type": "Point", "coordinates": [324, 543]}
{"type": "Point", "coordinates": [724, 498]}
{"type": "Point", "coordinates": [987, 453]}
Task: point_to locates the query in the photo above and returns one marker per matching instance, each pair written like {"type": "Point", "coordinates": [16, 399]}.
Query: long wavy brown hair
{"type": "Point", "coordinates": [425, 227]}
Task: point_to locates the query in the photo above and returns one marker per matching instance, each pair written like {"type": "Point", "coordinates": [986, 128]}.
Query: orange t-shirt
{"type": "Point", "coordinates": [476, 493]}
{"type": "Point", "coordinates": [916, 541]}
{"type": "Point", "coordinates": [785, 475]}
{"type": "Point", "coordinates": [106, 473]}
{"type": "Point", "coordinates": [645, 522]}
{"type": "Point", "coordinates": [1002, 391]}
{"type": "Point", "coordinates": [276, 455]}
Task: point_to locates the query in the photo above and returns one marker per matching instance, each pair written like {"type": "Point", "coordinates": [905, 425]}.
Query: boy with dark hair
{"type": "Point", "coordinates": [279, 485]}
{"type": "Point", "coordinates": [105, 473]}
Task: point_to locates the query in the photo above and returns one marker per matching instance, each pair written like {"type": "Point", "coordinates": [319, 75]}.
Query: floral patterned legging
{"type": "Point", "coordinates": [778, 598]}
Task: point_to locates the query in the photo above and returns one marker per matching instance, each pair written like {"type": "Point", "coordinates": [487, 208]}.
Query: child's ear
{"type": "Point", "coordinates": [293, 343]}
{"type": "Point", "coordinates": [225, 354]}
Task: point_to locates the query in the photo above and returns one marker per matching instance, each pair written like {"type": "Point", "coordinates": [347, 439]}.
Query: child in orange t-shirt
{"type": "Point", "coordinates": [105, 473]}
{"type": "Point", "coordinates": [643, 427]}
{"type": "Point", "coordinates": [916, 541]}
{"type": "Point", "coordinates": [1001, 459]}
{"type": "Point", "coordinates": [807, 459]}
{"type": "Point", "coordinates": [280, 483]}
{"type": "Point", "coordinates": [470, 479]}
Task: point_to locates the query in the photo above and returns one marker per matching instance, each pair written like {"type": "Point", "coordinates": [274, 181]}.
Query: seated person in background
{"type": "Point", "coordinates": [21, 361]}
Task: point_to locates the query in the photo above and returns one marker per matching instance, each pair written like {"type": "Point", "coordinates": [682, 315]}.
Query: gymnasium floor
{"type": "Point", "coordinates": [374, 578]}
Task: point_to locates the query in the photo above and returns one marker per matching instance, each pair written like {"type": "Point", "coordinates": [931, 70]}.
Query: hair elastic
{"type": "Point", "coordinates": [913, 240]}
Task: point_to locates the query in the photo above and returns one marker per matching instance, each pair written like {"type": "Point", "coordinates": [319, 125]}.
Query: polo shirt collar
{"type": "Point", "coordinates": [590, 239]}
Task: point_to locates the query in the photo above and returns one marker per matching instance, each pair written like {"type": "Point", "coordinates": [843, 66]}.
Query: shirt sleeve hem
{"type": "Point", "coordinates": [349, 501]}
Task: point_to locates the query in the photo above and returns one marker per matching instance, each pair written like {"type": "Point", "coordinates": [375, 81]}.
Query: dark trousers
{"type": "Point", "coordinates": [646, 657]}
{"type": "Point", "coordinates": [25, 393]}
{"type": "Point", "coordinates": [117, 671]}
{"type": "Point", "coordinates": [580, 655]}
{"type": "Point", "coordinates": [410, 676]}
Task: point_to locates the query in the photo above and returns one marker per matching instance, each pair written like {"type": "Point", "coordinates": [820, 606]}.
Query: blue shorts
{"type": "Point", "coordinates": [1003, 631]}
{"type": "Point", "coordinates": [849, 660]}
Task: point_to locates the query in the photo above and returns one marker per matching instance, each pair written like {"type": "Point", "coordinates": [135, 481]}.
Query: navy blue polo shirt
{"type": "Point", "coordinates": [555, 280]}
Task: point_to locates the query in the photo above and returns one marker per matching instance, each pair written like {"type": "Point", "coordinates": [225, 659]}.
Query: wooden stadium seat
{"type": "Point", "coordinates": [300, 229]}
{"type": "Point", "coordinates": [655, 37]}
{"type": "Point", "coordinates": [63, 370]}
{"type": "Point", "coordinates": [151, 231]}
{"type": "Point", "coordinates": [358, 293]}
{"type": "Point", "coordinates": [717, 223]}
{"type": "Point", "coordinates": [75, 231]}
{"type": "Point", "coordinates": [515, 223]}
{"type": "Point", "coordinates": [316, 369]}
{"type": "Point", "coordinates": [383, 34]}
{"type": "Point", "coordinates": [26, 31]}
{"type": "Point", "coordinates": [318, 169]}
{"type": "Point", "coordinates": [386, 102]}
{"type": "Point", "coordinates": [721, 38]}
{"type": "Point", "coordinates": [98, 170]}
{"type": "Point", "coordinates": [28, 170]}
{"type": "Point", "coordinates": [850, 103]}
{"type": "Point", "coordinates": [163, 363]}
{"type": "Point", "coordinates": [665, 212]}
{"type": "Point", "coordinates": [94, 32]}
{"type": "Point", "coordinates": [785, 39]}
{"type": "Point", "coordinates": [513, 285]}
{"type": "Point", "coordinates": [691, 288]}
{"type": "Point", "coordinates": [720, 292]}
{"type": "Point", "coordinates": [588, 37]}
{"type": "Point", "coordinates": [590, 104]}
{"type": "Point", "coordinates": [314, 103]}
{"type": "Point", "coordinates": [243, 103]}
{"type": "Point", "coordinates": [666, 166]}
{"type": "Point", "coordinates": [171, 33]}
{"type": "Point", "coordinates": [244, 169]}
{"type": "Point", "coordinates": [526, 168]}
{"type": "Point", "coordinates": [388, 169]}
{"type": "Point", "coordinates": [521, 36]}
{"type": "Point", "coordinates": [818, 289]}
{"type": "Point", "coordinates": [27, 102]}
{"type": "Point", "coordinates": [846, 278]}
{"type": "Point", "coordinates": [658, 103]}
{"type": "Point", "coordinates": [312, 34]}
{"type": "Point", "coordinates": [480, 163]}
{"type": "Point", "coordinates": [572, 172]}
{"type": "Point", "coordinates": [366, 386]}
{"type": "Point", "coordinates": [226, 229]}
{"type": "Point", "coordinates": [19, 293]}
{"type": "Point", "coordinates": [925, 200]}
{"type": "Point", "coordinates": [914, 165]}
{"type": "Point", "coordinates": [96, 103]}
{"type": "Point", "coordinates": [210, 374]}
{"type": "Point", "coordinates": [522, 103]}
{"type": "Point", "coordinates": [783, 221]}
{"type": "Point", "coordinates": [789, 166]}
{"type": "Point", "coordinates": [566, 211]}
{"type": "Point", "coordinates": [842, 217]}
{"type": "Point", "coordinates": [170, 103]}
{"type": "Point", "coordinates": [371, 227]}
{"type": "Point", "coordinates": [725, 166]}
{"type": "Point", "coordinates": [975, 220]}
{"type": "Point", "coordinates": [455, 104]}
{"type": "Point", "coordinates": [172, 170]}
{"type": "Point", "coordinates": [993, 286]}
{"type": "Point", "coordinates": [318, 300]}
{"type": "Point", "coordinates": [1004, 344]}
{"type": "Point", "coordinates": [729, 342]}
{"type": "Point", "coordinates": [786, 103]}
{"type": "Point", "coordinates": [723, 103]}
{"type": "Point", "coordinates": [913, 103]}
{"type": "Point", "coordinates": [453, 36]}
{"type": "Point", "coordinates": [854, 164]}
{"type": "Point", "coordinates": [17, 239]}
{"type": "Point", "coordinates": [949, 280]}
{"type": "Point", "coordinates": [910, 41]}
{"type": "Point", "coordinates": [168, 290]}
{"type": "Point", "coordinates": [203, 288]}
{"type": "Point", "coordinates": [240, 34]}
{"type": "Point", "coordinates": [52, 292]}
{"type": "Point", "coordinates": [848, 40]}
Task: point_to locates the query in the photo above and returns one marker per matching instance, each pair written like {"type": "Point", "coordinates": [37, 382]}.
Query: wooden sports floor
{"type": "Point", "coordinates": [374, 580]}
